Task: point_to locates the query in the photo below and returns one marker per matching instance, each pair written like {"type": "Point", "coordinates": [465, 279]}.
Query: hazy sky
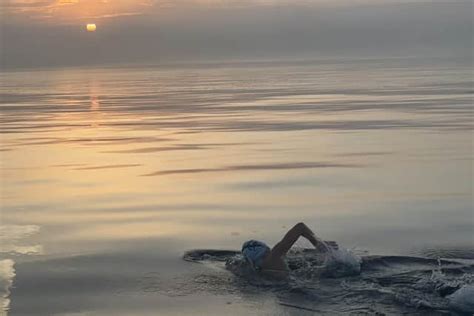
{"type": "Point", "coordinates": [52, 32]}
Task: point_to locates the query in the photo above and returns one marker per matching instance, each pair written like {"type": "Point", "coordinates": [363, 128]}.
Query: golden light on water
{"type": "Point", "coordinates": [91, 27]}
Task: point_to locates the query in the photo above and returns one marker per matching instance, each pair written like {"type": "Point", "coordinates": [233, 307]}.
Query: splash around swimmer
{"type": "Point", "coordinates": [265, 259]}
{"type": "Point", "coordinates": [405, 283]}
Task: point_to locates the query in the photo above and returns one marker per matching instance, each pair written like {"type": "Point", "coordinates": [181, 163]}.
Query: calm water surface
{"type": "Point", "coordinates": [109, 175]}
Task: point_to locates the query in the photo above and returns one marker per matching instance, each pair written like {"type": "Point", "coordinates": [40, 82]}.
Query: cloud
{"type": "Point", "coordinates": [67, 11]}
{"type": "Point", "coordinates": [25, 7]}
{"type": "Point", "coordinates": [24, 4]}
{"type": "Point", "coordinates": [51, 33]}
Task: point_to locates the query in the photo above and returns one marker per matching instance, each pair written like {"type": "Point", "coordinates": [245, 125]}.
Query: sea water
{"type": "Point", "coordinates": [109, 174]}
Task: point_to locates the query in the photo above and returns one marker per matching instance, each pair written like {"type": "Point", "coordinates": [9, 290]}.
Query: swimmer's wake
{"type": "Point", "coordinates": [345, 282]}
{"type": "Point", "coordinates": [392, 283]}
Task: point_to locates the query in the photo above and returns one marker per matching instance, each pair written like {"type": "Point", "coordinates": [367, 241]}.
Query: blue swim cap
{"type": "Point", "coordinates": [254, 251]}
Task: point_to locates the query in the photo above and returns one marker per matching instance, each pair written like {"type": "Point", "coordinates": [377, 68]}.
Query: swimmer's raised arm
{"type": "Point", "coordinates": [290, 238]}
{"type": "Point", "coordinates": [274, 260]}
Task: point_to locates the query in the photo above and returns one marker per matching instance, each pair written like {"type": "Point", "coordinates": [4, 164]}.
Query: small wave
{"type": "Point", "coordinates": [449, 253]}
{"type": "Point", "coordinates": [209, 254]}
{"type": "Point", "coordinates": [463, 299]}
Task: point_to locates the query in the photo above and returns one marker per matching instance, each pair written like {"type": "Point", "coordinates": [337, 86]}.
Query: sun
{"type": "Point", "coordinates": [91, 27]}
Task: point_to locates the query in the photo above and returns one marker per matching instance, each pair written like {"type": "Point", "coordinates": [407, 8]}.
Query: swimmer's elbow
{"type": "Point", "coordinates": [300, 225]}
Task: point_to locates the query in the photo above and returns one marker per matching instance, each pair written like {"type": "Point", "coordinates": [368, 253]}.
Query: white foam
{"type": "Point", "coordinates": [342, 262]}
{"type": "Point", "coordinates": [7, 273]}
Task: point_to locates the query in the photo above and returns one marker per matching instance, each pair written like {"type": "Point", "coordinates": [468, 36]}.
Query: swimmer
{"type": "Point", "coordinates": [262, 258]}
